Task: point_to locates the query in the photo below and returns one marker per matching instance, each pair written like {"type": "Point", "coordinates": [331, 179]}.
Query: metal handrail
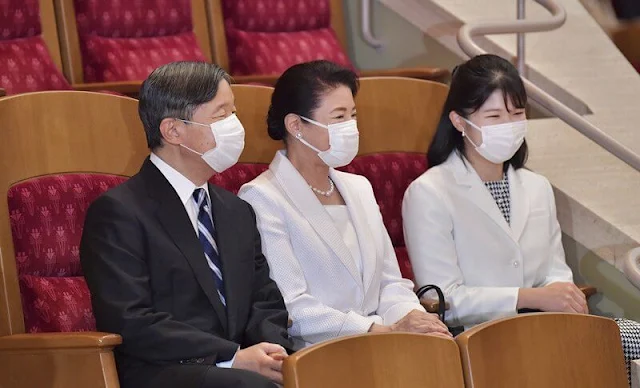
{"type": "Point", "coordinates": [564, 113]}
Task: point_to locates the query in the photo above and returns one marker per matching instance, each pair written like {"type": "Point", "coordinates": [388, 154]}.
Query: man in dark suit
{"type": "Point", "coordinates": [173, 263]}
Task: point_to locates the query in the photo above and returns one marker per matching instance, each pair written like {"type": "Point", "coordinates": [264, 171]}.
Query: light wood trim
{"type": "Point", "coordinates": [252, 104]}
{"type": "Point", "coordinates": [201, 26]}
{"type": "Point", "coordinates": [338, 22]}
{"type": "Point", "coordinates": [544, 350]}
{"type": "Point", "coordinates": [217, 34]}
{"type": "Point", "coordinates": [80, 132]}
{"type": "Point", "coordinates": [398, 114]}
{"type": "Point", "coordinates": [262, 79]}
{"type": "Point", "coordinates": [58, 368]}
{"type": "Point", "coordinates": [424, 73]}
{"type": "Point", "coordinates": [376, 360]}
{"type": "Point", "coordinates": [69, 41]}
{"type": "Point", "coordinates": [129, 88]}
{"type": "Point", "coordinates": [40, 341]}
{"type": "Point", "coordinates": [50, 31]}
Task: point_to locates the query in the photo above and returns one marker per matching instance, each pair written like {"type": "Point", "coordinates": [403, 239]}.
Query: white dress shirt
{"type": "Point", "coordinates": [185, 188]}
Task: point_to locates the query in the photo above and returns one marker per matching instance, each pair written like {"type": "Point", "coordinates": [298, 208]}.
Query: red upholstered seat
{"type": "Point", "coordinates": [125, 40]}
{"type": "Point", "coordinates": [233, 178]}
{"type": "Point", "coordinates": [390, 174]}
{"type": "Point", "coordinates": [25, 62]}
{"type": "Point", "coordinates": [47, 216]}
{"type": "Point", "coordinates": [269, 36]}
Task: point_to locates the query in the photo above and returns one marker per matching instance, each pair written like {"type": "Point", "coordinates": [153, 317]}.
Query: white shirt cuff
{"type": "Point", "coordinates": [227, 364]}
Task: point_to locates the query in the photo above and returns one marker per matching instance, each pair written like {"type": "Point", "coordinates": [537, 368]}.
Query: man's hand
{"type": "Point", "coordinates": [264, 358]}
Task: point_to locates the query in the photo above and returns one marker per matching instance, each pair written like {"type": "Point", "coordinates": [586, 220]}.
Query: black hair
{"type": "Point", "coordinates": [176, 90]}
{"type": "Point", "coordinates": [471, 85]}
{"type": "Point", "coordinates": [299, 89]}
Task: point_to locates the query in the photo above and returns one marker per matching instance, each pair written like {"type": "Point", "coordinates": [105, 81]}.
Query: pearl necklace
{"type": "Point", "coordinates": [327, 193]}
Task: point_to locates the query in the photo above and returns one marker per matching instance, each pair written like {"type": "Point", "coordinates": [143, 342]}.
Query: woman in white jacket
{"type": "Point", "coordinates": [322, 232]}
{"type": "Point", "coordinates": [478, 224]}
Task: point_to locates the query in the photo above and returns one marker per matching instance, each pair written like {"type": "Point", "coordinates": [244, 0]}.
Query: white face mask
{"type": "Point", "coordinates": [343, 142]}
{"type": "Point", "coordinates": [499, 142]}
{"type": "Point", "coordinates": [229, 136]}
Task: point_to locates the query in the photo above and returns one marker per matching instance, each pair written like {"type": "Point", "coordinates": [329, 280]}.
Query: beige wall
{"type": "Point", "coordinates": [405, 45]}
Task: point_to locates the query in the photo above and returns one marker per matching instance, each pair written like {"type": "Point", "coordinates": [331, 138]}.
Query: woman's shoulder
{"type": "Point", "coordinates": [262, 188]}
{"type": "Point", "coordinates": [532, 180]}
{"type": "Point", "coordinates": [435, 178]}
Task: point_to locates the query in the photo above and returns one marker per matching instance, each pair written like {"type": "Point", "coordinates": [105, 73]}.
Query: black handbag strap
{"type": "Point", "coordinates": [442, 308]}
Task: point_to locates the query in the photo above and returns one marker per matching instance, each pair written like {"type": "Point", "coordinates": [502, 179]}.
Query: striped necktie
{"type": "Point", "coordinates": [205, 235]}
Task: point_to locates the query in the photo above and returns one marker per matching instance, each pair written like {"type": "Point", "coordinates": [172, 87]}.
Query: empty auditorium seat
{"type": "Point", "coordinates": [54, 165]}
{"type": "Point", "coordinates": [268, 36]}
{"type": "Point", "coordinates": [123, 41]}
{"type": "Point", "coordinates": [376, 360]}
{"type": "Point", "coordinates": [395, 134]}
{"type": "Point", "coordinates": [29, 51]}
{"type": "Point", "coordinates": [544, 350]}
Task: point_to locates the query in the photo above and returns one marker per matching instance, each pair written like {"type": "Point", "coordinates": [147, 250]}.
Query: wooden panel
{"type": "Point", "coordinates": [217, 35]}
{"type": "Point", "coordinates": [201, 26]}
{"type": "Point", "coordinates": [69, 43]}
{"type": "Point", "coordinates": [376, 360]}
{"type": "Point", "coordinates": [252, 104]}
{"type": "Point", "coordinates": [53, 132]}
{"type": "Point", "coordinates": [398, 114]}
{"type": "Point", "coordinates": [60, 368]}
{"type": "Point", "coordinates": [338, 22]}
{"type": "Point", "coordinates": [544, 350]}
{"type": "Point", "coordinates": [50, 31]}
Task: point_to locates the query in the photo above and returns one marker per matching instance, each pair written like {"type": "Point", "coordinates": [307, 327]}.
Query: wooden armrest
{"type": "Point", "coordinates": [425, 73]}
{"type": "Point", "coordinates": [264, 79]}
{"type": "Point", "coordinates": [289, 322]}
{"type": "Point", "coordinates": [130, 88]}
{"type": "Point", "coordinates": [2, 92]}
{"type": "Point", "coordinates": [432, 305]}
{"type": "Point", "coordinates": [588, 291]}
{"type": "Point", "coordinates": [59, 341]}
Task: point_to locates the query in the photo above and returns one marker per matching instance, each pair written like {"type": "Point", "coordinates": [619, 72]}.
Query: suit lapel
{"type": "Point", "coordinates": [358, 213]}
{"type": "Point", "coordinates": [477, 192]}
{"type": "Point", "coordinates": [519, 204]}
{"type": "Point", "coordinates": [174, 219]}
{"type": "Point", "coordinates": [297, 190]}
{"type": "Point", "coordinates": [227, 242]}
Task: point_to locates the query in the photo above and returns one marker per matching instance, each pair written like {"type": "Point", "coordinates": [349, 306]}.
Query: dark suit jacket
{"type": "Point", "coordinates": [150, 281]}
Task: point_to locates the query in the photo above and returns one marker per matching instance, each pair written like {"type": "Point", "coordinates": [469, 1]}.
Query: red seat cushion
{"type": "Point", "coordinates": [58, 304]}
{"type": "Point", "coordinates": [47, 216]}
{"type": "Point", "coordinates": [233, 178]}
{"type": "Point", "coordinates": [390, 174]}
{"type": "Point", "coordinates": [25, 63]}
{"type": "Point", "coordinates": [269, 36]}
{"type": "Point", "coordinates": [126, 40]}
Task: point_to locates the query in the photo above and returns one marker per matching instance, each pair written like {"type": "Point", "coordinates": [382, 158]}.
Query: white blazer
{"type": "Point", "coordinates": [325, 294]}
{"type": "Point", "coordinates": [458, 239]}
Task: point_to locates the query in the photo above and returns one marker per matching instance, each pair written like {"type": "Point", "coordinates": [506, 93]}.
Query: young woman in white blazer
{"type": "Point", "coordinates": [477, 223]}
{"type": "Point", "coordinates": [322, 231]}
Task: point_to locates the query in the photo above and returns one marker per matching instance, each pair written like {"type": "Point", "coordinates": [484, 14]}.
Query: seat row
{"type": "Point", "coordinates": [113, 45]}
{"type": "Point", "coordinates": [54, 165]}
